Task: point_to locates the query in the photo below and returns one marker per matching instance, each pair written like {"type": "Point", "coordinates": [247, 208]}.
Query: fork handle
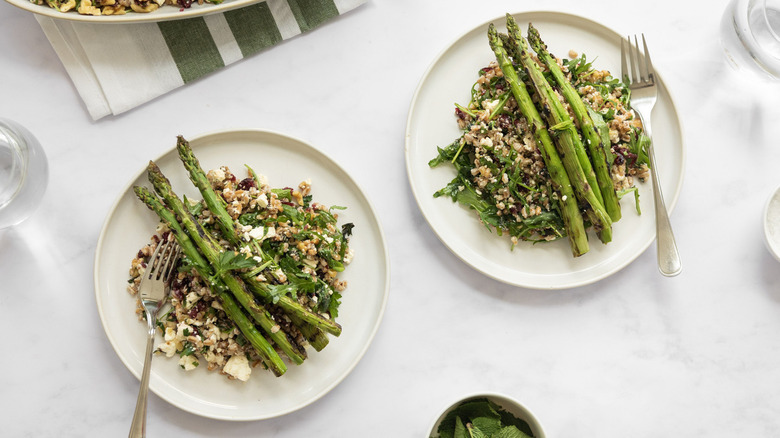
{"type": "Point", "coordinates": [138, 428]}
{"type": "Point", "coordinates": [668, 256]}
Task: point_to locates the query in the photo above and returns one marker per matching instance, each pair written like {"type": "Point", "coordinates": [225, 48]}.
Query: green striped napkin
{"type": "Point", "coordinates": [173, 52]}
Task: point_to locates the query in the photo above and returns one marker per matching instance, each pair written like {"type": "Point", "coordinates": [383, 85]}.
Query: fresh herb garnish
{"type": "Point", "coordinates": [231, 261]}
{"type": "Point", "coordinates": [480, 418]}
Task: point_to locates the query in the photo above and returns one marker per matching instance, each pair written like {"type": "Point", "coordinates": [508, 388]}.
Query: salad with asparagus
{"type": "Point", "coordinates": [259, 279]}
{"type": "Point", "coordinates": [548, 146]}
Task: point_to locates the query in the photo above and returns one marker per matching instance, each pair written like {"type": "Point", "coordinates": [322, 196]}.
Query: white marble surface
{"type": "Point", "coordinates": [634, 355]}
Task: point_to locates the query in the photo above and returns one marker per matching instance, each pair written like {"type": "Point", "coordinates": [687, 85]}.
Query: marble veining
{"type": "Point", "coordinates": [634, 355]}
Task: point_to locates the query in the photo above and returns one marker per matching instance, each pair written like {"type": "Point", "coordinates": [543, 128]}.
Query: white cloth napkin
{"type": "Point", "coordinates": [173, 52]}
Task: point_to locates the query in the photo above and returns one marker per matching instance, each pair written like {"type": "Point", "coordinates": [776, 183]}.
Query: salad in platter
{"type": "Point", "coordinates": [548, 147]}
{"type": "Point", "coordinates": [259, 278]}
{"type": "Point", "coordinates": [116, 7]}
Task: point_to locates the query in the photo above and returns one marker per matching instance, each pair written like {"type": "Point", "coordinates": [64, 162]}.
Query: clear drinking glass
{"type": "Point", "coordinates": [24, 173]}
{"type": "Point", "coordinates": [750, 34]}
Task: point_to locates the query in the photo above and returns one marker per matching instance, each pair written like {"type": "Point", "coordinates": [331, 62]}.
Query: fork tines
{"type": "Point", "coordinates": [641, 67]}
{"type": "Point", "coordinates": [162, 261]}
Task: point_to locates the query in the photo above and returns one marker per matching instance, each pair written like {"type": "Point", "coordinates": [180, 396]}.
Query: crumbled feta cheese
{"type": "Point", "coordinates": [490, 105]}
{"type": "Point", "coordinates": [189, 362]}
{"type": "Point", "coordinates": [257, 233]}
{"type": "Point", "coordinates": [161, 228]}
{"type": "Point", "coordinates": [348, 256]}
{"type": "Point", "coordinates": [262, 200]}
{"type": "Point", "coordinates": [170, 334]}
{"type": "Point", "coordinates": [238, 367]}
{"type": "Point", "coordinates": [167, 348]}
{"type": "Point", "coordinates": [216, 175]}
{"type": "Point", "coordinates": [262, 233]}
{"type": "Point", "coordinates": [182, 328]}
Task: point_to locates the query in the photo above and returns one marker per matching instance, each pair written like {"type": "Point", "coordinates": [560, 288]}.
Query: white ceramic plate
{"type": "Point", "coordinates": [286, 162]}
{"type": "Point", "coordinates": [431, 123]}
{"type": "Point", "coordinates": [164, 13]}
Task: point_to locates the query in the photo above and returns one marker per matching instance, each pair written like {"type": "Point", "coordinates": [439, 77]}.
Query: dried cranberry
{"type": "Point", "coordinates": [197, 308]}
{"type": "Point", "coordinates": [504, 122]}
{"type": "Point", "coordinates": [246, 184]}
{"type": "Point", "coordinates": [619, 159]}
{"type": "Point", "coordinates": [460, 114]}
{"type": "Point", "coordinates": [184, 3]}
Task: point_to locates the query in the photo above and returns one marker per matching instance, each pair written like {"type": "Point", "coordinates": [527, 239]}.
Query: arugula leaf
{"type": "Point", "coordinates": [639, 147]}
{"type": "Point", "coordinates": [285, 194]}
{"type": "Point", "coordinates": [333, 304]}
{"type": "Point", "coordinates": [446, 154]}
{"type": "Point", "coordinates": [253, 174]}
{"type": "Point", "coordinates": [461, 190]}
{"type": "Point", "coordinates": [624, 192]}
{"type": "Point", "coordinates": [292, 213]}
{"type": "Point", "coordinates": [249, 219]}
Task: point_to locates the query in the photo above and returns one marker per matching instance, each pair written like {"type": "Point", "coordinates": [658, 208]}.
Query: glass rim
{"type": "Point", "coordinates": [766, 20]}
{"type": "Point", "coordinates": [11, 130]}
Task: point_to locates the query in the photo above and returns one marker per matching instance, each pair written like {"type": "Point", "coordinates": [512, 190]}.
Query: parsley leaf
{"type": "Point", "coordinates": [231, 261]}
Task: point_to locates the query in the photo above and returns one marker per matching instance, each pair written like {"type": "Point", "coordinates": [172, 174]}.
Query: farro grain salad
{"type": "Point", "coordinates": [116, 7]}
{"type": "Point", "coordinates": [259, 279]}
{"type": "Point", "coordinates": [548, 146]}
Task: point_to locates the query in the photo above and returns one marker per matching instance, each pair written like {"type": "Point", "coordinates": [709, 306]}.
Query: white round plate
{"type": "Point", "coordinates": [431, 123]}
{"type": "Point", "coordinates": [286, 162]}
{"type": "Point", "coordinates": [164, 13]}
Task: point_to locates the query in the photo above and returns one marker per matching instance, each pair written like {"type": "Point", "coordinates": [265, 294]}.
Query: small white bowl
{"type": "Point", "coordinates": [505, 402]}
{"type": "Point", "coordinates": [772, 224]}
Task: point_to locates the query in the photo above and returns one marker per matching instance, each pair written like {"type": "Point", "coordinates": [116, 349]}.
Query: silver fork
{"type": "Point", "coordinates": [153, 290]}
{"type": "Point", "coordinates": [644, 93]}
